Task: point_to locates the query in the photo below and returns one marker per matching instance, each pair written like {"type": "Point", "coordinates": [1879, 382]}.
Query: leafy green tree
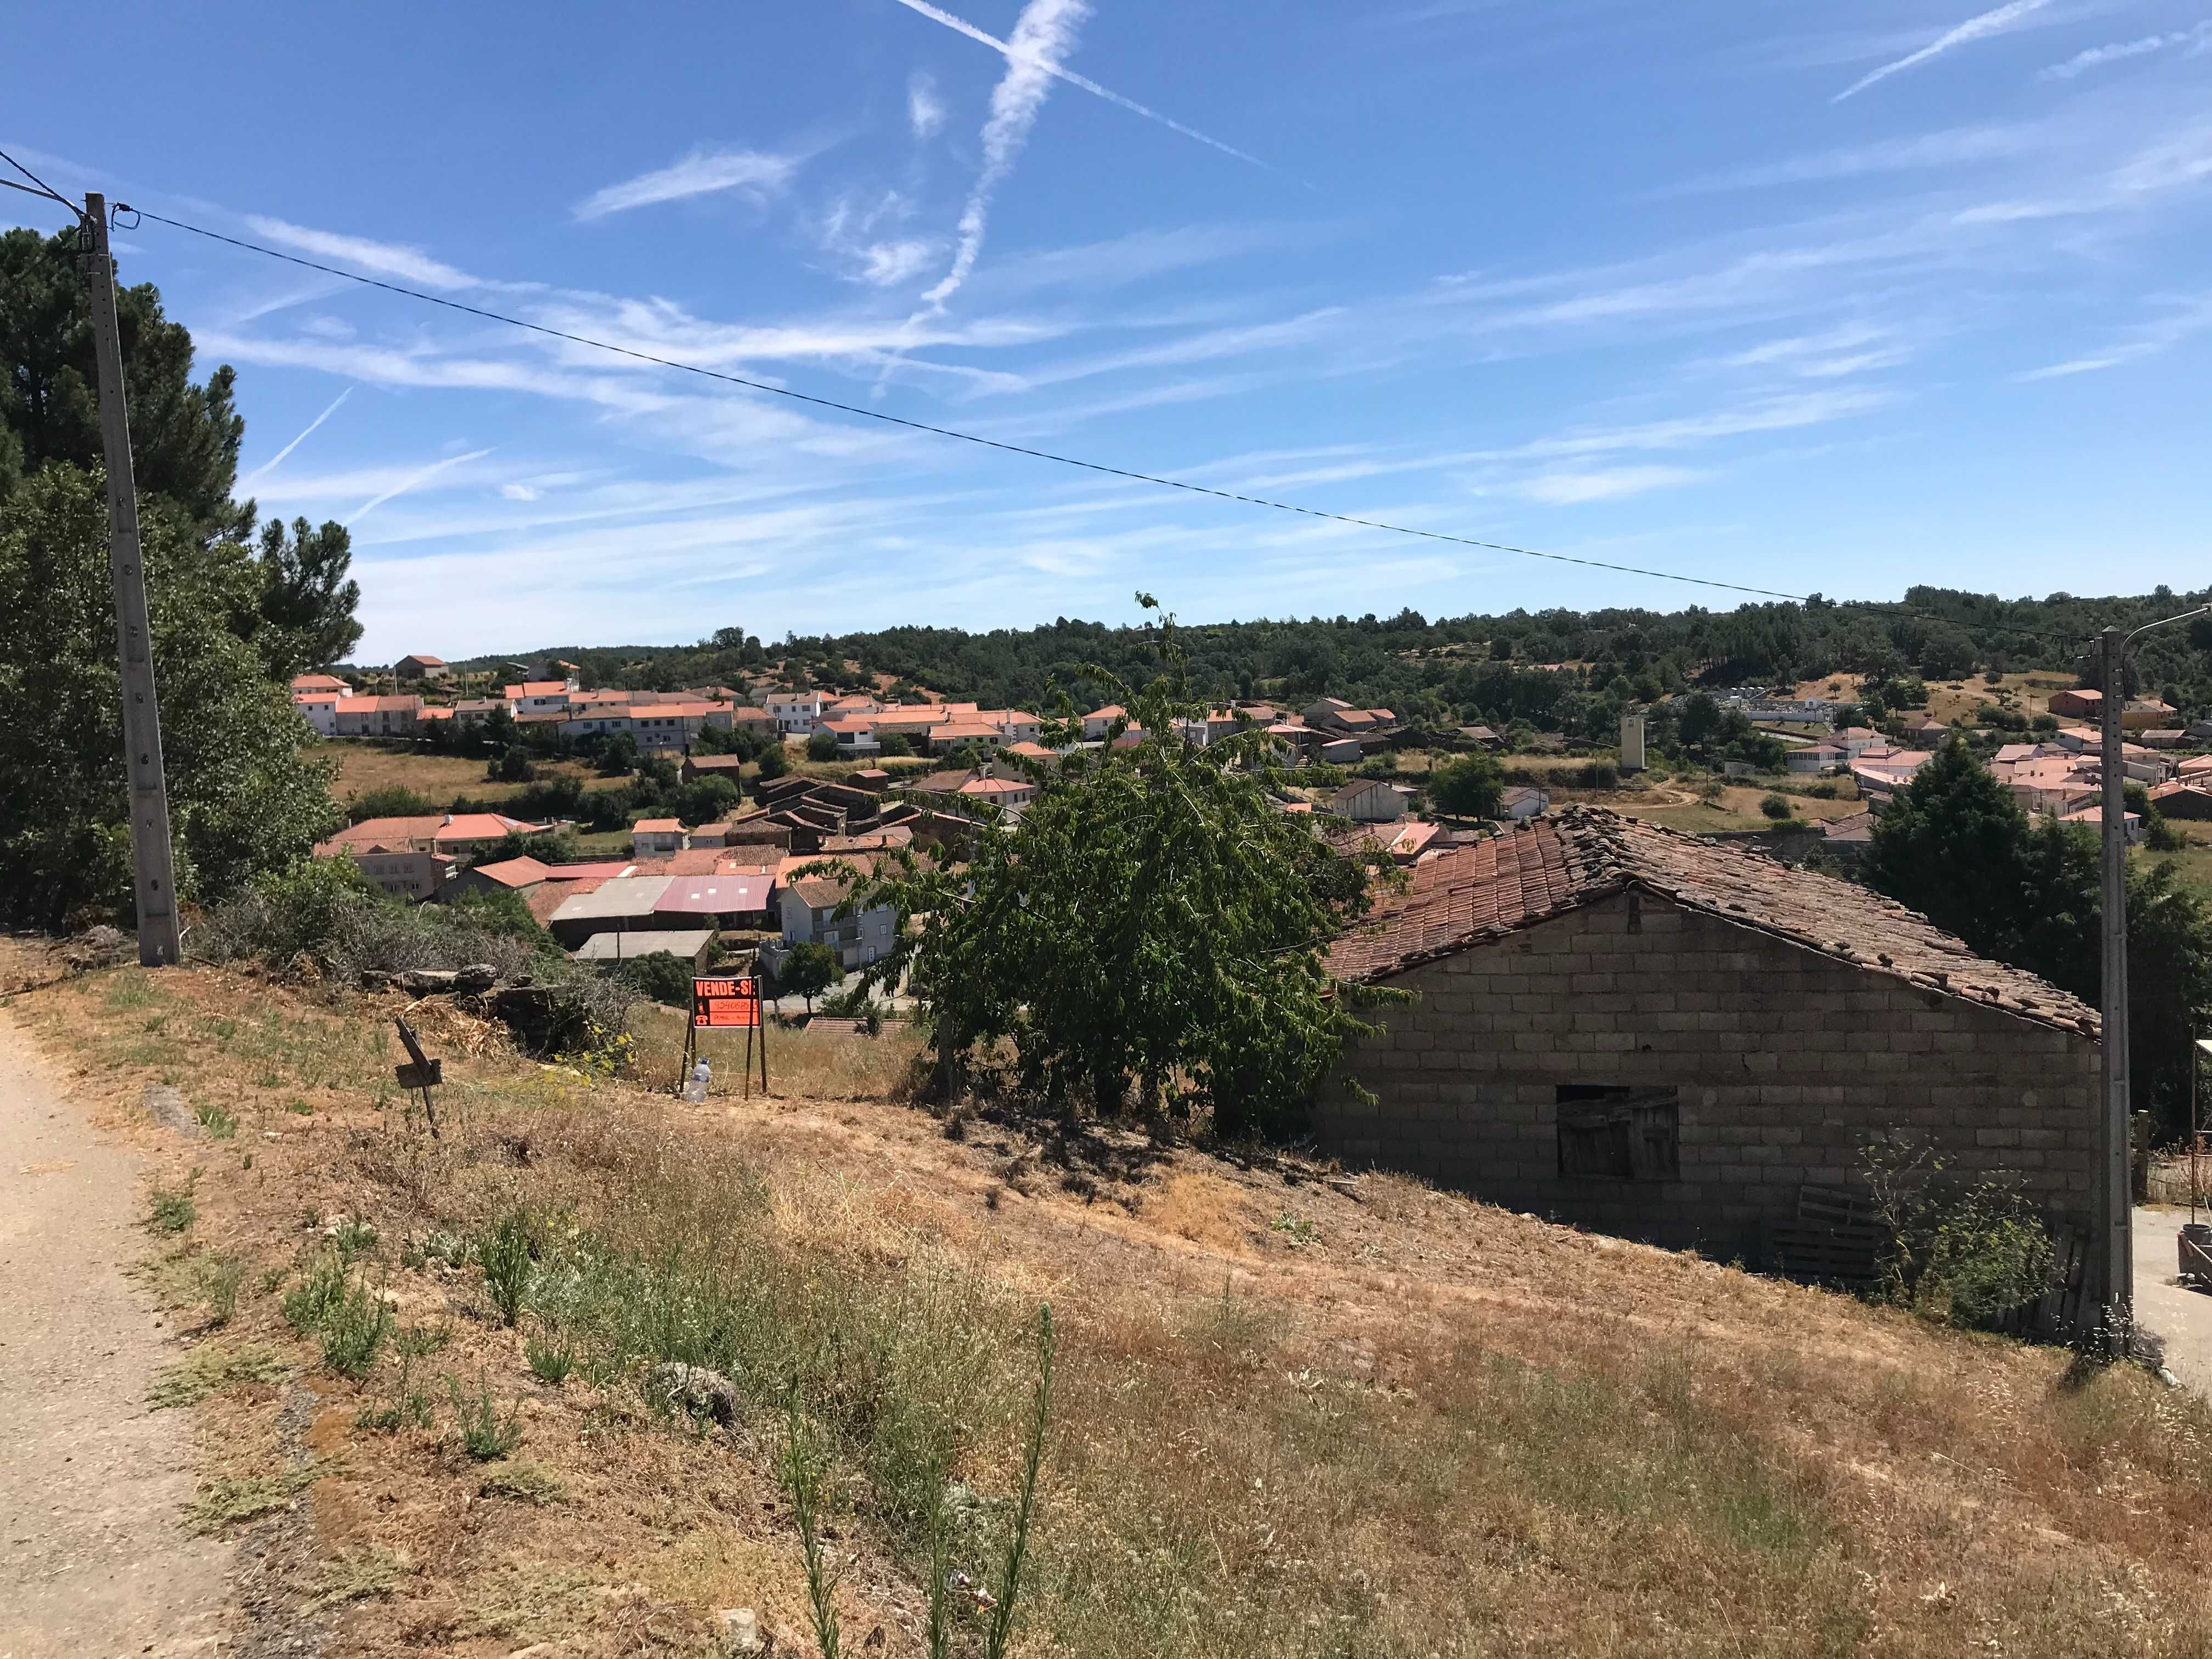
{"type": "Point", "coordinates": [503, 911]}
{"type": "Point", "coordinates": [307, 600]}
{"type": "Point", "coordinates": [184, 436]}
{"type": "Point", "coordinates": [244, 799]}
{"type": "Point", "coordinates": [822, 746]}
{"type": "Point", "coordinates": [1152, 922]}
{"type": "Point", "coordinates": [389, 800]}
{"type": "Point", "coordinates": [775, 762]}
{"type": "Point", "coordinates": [703, 800]}
{"type": "Point", "coordinates": [807, 970]}
{"type": "Point", "coordinates": [1954, 846]}
{"type": "Point", "coordinates": [1468, 787]}
{"type": "Point", "coordinates": [662, 975]}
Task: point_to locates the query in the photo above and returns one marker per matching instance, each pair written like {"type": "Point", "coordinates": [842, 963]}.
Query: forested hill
{"type": "Point", "coordinates": [1463, 667]}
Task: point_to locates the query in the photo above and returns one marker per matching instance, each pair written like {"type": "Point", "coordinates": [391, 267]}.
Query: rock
{"type": "Point", "coordinates": [739, 1628]}
{"type": "Point", "coordinates": [697, 1391]}
{"type": "Point", "coordinates": [477, 976]}
{"type": "Point", "coordinates": [167, 1108]}
{"type": "Point", "coordinates": [427, 982]}
{"type": "Point", "coordinates": [375, 979]}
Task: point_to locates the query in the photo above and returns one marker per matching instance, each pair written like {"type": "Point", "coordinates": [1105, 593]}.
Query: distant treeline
{"type": "Point", "coordinates": [1461, 668]}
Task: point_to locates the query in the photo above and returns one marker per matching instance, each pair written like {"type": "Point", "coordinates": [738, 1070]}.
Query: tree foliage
{"type": "Point", "coordinates": [1953, 845]}
{"type": "Point", "coordinates": [184, 436]}
{"type": "Point", "coordinates": [243, 799]}
{"type": "Point", "coordinates": [1470, 787]}
{"type": "Point", "coordinates": [307, 600]}
{"type": "Point", "coordinates": [807, 970]}
{"type": "Point", "coordinates": [1151, 922]}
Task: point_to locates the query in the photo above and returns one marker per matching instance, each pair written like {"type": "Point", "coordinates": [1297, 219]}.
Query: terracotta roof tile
{"type": "Point", "coordinates": [1471, 895]}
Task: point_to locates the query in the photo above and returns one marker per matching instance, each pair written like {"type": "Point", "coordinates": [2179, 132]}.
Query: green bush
{"type": "Point", "coordinates": [171, 1209]}
{"type": "Point", "coordinates": [661, 977]}
{"type": "Point", "coordinates": [485, 1434]}
{"type": "Point", "coordinates": [822, 746]}
{"type": "Point", "coordinates": [354, 1326]}
{"type": "Point", "coordinates": [1776, 807]}
{"type": "Point", "coordinates": [504, 1254]}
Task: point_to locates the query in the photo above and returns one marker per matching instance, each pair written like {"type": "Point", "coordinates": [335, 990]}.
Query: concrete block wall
{"type": "Point", "coordinates": [1787, 1063]}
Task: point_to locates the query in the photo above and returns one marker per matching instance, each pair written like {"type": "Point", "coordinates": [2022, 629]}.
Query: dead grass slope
{"type": "Point", "coordinates": [1289, 1419]}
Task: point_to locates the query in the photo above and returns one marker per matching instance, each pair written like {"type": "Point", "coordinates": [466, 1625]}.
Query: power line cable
{"type": "Point", "coordinates": [1099, 467]}
{"type": "Point", "coordinates": [49, 190]}
{"type": "Point", "coordinates": [963, 437]}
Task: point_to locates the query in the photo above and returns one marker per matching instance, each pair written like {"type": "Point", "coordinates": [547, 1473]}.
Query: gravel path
{"type": "Point", "coordinates": [93, 1561]}
{"type": "Point", "coordinates": [2182, 1315]}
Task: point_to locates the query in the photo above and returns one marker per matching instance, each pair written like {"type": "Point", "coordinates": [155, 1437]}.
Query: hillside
{"type": "Point", "coordinates": [1475, 666]}
{"type": "Point", "coordinates": [1292, 1415]}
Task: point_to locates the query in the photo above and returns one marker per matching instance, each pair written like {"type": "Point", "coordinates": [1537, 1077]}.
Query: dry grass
{"type": "Point", "coordinates": [363, 766]}
{"type": "Point", "coordinates": [1290, 1421]}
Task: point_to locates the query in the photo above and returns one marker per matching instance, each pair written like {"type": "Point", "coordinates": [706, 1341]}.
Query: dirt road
{"type": "Point", "coordinates": [93, 1561]}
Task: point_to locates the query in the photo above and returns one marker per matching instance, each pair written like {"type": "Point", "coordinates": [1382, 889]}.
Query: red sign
{"type": "Point", "coordinates": [724, 1003]}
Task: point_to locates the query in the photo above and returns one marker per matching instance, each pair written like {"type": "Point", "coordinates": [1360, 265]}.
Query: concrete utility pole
{"type": "Point", "coordinates": [2113, 1261]}
{"type": "Point", "coordinates": [160, 943]}
{"type": "Point", "coordinates": [2116, 1206]}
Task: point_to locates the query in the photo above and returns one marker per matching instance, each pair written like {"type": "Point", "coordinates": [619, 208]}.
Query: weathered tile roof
{"type": "Point", "coordinates": [1544, 868]}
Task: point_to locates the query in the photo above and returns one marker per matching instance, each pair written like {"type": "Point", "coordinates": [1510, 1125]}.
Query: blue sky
{"type": "Point", "coordinates": [1839, 298]}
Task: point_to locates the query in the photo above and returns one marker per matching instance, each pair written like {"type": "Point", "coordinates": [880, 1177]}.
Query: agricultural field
{"type": "Point", "coordinates": [364, 766]}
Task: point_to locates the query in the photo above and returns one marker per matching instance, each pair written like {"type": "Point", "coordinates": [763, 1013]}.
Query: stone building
{"type": "Point", "coordinates": [1669, 1038]}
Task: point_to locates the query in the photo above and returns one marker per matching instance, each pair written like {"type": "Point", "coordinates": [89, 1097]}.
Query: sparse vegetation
{"type": "Point", "coordinates": [550, 1358]}
{"type": "Point", "coordinates": [485, 1434]}
{"type": "Point", "coordinates": [504, 1254]}
{"type": "Point", "coordinates": [170, 1207]}
{"type": "Point", "coordinates": [209, 1369]}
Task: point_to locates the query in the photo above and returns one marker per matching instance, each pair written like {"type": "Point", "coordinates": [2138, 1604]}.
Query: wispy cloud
{"type": "Point", "coordinates": [269, 464]}
{"type": "Point", "coordinates": [386, 258]}
{"type": "Point", "coordinates": [2097, 56]}
{"type": "Point", "coordinates": [1995, 21]}
{"type": "Point", "coordinates": [925, 110]}
{"type": "Point", "coordinates": [1952, 147]}
{"type": "Point", "coordinates": [1015, 48]}
{"type": "Point", "coordinates": [755, 174]}
{"type": "Point", "coordinates": [1606, 484]}
{"type": "Point", "coordinates": [1847, 348]}
{"type": "Point", "coordinates": [2184, 317]}
{"type": "Point", "coordinates": [1044, 33]}
{"type": "Point", "coordinates": [414, 480]}
{"type": "Point", "coordinates": [519, 492]}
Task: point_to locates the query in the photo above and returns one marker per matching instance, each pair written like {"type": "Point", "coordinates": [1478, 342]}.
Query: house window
{"type": "Point", "coordinates": [1619, 1134]}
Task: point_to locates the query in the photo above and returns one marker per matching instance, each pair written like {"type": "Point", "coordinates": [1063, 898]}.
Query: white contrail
{"type": "Point", "coordinates": [1974, 28]}
{"type": "Point", "coordinates": [413, 478]}
{"type": "Point", "coordinates": [1045, 29]}
{"type": "Point", "coordinates": [1014, 47]}
{"type": "Point", "coordinates": [269, 464]}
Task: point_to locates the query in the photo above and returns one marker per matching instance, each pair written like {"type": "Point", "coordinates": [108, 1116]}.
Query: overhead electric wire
{"type": "Point", "coordinates": [1100, 467]}
{"type": "Point", "coordinates": [47, 190]}
{"type": "Point", "coordinates": [965, 437]}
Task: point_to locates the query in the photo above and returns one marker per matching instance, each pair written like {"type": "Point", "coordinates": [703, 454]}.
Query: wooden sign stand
{"type": "Point", "coordinates": [422, 1073]}
{"type": "Point", "coordinates": [720, 1002]}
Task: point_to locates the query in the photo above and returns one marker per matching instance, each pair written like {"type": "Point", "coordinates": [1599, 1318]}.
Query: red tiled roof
{"type": "Point", "coordinates": [1472, 895]}
{"type": "Point", "coordinates": [657, 826]}
{"type": "Point", "coordinates": [524, 871]}
{"type": "Point", "coordinates": [485, 826]}
{"type": "Point", "coordinates": [386, 832]}
{"type": "Point", "coordinates": [544, 900]}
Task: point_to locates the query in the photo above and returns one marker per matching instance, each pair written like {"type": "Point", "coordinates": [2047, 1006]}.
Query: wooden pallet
{"type": "Point", "coordinates": [1836, 1238]}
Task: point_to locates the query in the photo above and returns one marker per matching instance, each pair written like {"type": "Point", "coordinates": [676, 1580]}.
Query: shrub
{"type": "Point", "coordinates": [1468, 787]}
{"type": "Point", "coordinates": [220, 1122]}
{"type": "Point", "coordinates": [551, 1359]}
{"type": "Point", "coordinates": [220, 1278]}
{"type": "Point", "coordinates": [661, 976]}
{"type": "Point", "coordinates": [504, 1254]}
{"type": "Point", "coordinates": [171, 1209]}
{"type": "Point", "coordinates": [1966, 1254]}
{"type": "Point", "coordinates": [822, 746]}
{"type": "Point", "coordinates": [354, 1326]}
{"type": "Point", "coordinates": [391, 800]}
{"type": "Point", "coordinates": [308, 1302]}
{"type": "Point", "coordinates": [1776, 808]}
{"type": "Point", "coordinates": [484, 1434]}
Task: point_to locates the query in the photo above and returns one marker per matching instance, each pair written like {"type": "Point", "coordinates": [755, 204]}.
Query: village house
{"type": "Point", "coordinates": [376, 717]}
{"type": "Point", "coordinates": [793, 712]}
{"type": "Point", "coordinates": [611, 949]}
{"type": "Point", "coordinates": [422, 668]}
{"type": "Point", "coordinates": [656, 835]}
{"type": "Point", "coordinates": [809, 908]}
{"type": "Point", "coordinates": [411, 873]}
{"type": "Point", "coordinates": [697, 767]}
{"type": "Point", "coordinates": [319, 709]}
{"type": "Point", "coordinates": [1667, 1037]}
{"type": "Point", "coordinates": [1371, 800]}
{"type": "Point", "coordinates": [624, 904]}
{"type": "Point", "coordinates": [1814, 757]}
{"type": "Point", "coordinates": [1523, 801]}
{"type": "Point", "coordinates": [540, 697]}
{"type": "Point", "coordinates": [733, 899]}
{"type": "Point", "coordinates": [943, 739]}
{"type": "Point", "coordinates": [320, 683]}
{"type": "Point", "coordinates": [1099, 721]}
{"type": "Point", "coordinates": [1009, 795]}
